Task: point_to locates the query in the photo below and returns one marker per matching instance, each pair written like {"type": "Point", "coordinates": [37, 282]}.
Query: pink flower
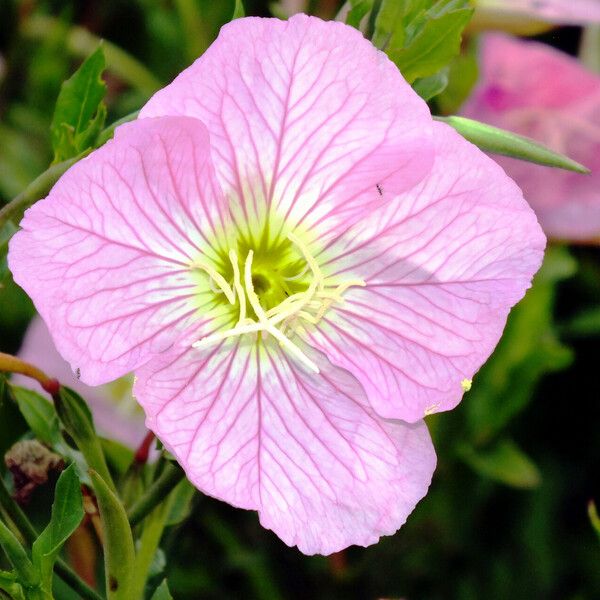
{"type": "Point", "coordinates": [291, 255]}
{"type": "Point", "coordinates": [565, 12]}
{"type": "Point", "coordinates": [116, 414]}
{"type": "Point", "coordinates": [536, 91]}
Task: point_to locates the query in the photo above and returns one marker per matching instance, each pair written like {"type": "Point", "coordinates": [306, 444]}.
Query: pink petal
{"type": "Point", "coordinates": [105, 256]}
{"type": "Point", "coordinates": [304, 115]}
{"type": "Point", "coordinates": [539, 92]}
{"type": "Point", "coordinates": [253, 428]}
{"type": "Point", "coordinates": [566, 12]}
{"type": "Point", "coordinates": [116, 413]}
{"type": "Point", "coordinates": [443, 265]}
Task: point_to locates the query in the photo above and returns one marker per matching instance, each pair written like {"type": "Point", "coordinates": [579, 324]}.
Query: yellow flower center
{"type": "Point", "coordinates": [284, 319]}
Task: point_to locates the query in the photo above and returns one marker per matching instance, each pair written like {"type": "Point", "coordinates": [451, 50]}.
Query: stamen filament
{"type": "Point", "coordinates": [217, 277]}
{"type": "Point", "coordinates": [237, 285]}
{"type": "Point", "coordinates": [298, 306]}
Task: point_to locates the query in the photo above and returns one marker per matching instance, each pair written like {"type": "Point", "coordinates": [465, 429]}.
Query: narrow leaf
{"type": "Point", "coordinates": [429, 87]}
{"type": "Point", "coordinates": [435, 44]}
{"type": "Point", "coordinates": [358, 10]}
{"type": "Point", "coordinates": [504, 462]}
{"type": "Point", "coordinates": [238, 10]}
{"type": "Point", "coordinates": [162, 592]}
{"type": "Point", "coordinates": [78, 116]}
{"type": "Point", "coordinates": [17, 556]}
{"type": "Point", "coordinates": [39, 414]}
{"type": "Point", "coordinates": [67, 514]}
{"type": "Point", "coordinates": [499, 141]}
{"type": "Point", "coordinates": [119, 551]}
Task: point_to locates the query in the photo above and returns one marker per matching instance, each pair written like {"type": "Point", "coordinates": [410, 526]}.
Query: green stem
{"type": "Point", "coordinates": [156, 493]}
{"type": "Point", "coordinates": [149, 541]}
{"type": "Point", "coordinates": [27, 530]}
{"type": "Point", "coordinates": [119, 551]}
{"type": "Point", "coordinates": [37, 189]}
{"type": "Point", "coordinates": [81, 43]}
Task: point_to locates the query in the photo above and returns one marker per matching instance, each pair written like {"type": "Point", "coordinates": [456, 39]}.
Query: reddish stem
{"type": "Point", "coordinates": [142, 453]}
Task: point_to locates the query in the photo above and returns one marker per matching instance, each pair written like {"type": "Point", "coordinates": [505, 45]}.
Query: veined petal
{"type": "Point", "coordinates": [306, 117]}
{"type": "Point", "coordinates": [443, 265]}
{"type": "Point", "coordinates": [105, 257]}
{"type": "Point", "coordinates": [252, 427]}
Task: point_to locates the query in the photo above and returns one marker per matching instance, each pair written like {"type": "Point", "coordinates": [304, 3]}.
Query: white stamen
{"type": "Point", "coordinates": [216, 277]}
{"type": "Point", "coordinates": [288, 313]}
{"type": "Point", "coordinates": [237, 285]}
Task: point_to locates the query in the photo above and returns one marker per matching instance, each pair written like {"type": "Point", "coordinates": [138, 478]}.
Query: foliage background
{"type": "Point", "coordinates": [519, 459]}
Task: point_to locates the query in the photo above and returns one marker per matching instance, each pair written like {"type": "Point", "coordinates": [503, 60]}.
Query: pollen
{"type": "Point", "coordinates": [284, 320]}
{"type": "Point", "coordinates": [466, 384]}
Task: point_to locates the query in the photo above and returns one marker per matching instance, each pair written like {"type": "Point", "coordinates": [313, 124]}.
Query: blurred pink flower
{"type": "Point", "coordinates": [566, 12]}
{"type": "Point", "coordinates": [116, 413]}
{"type": "Point", "coordinates": [534, 90]}
{"type": "Point", "coordinates": [284, 247]}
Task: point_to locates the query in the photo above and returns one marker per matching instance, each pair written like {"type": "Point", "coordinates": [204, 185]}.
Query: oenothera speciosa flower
{"type": "Point", "coordinates": [540, 92]}
{"type": "Point", "coordinates": [298, 264]}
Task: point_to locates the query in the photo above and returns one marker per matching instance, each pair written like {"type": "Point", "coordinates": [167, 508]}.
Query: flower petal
{"type": "Point", "coordinates": [251, 427]}
{"type": "Point", "coordinates": [105, 257]}
{"type": "Point", "coordinates": [443, 264]}
{"type": "Point", "coordinates": [304, 115]}
{"type": "Point", "coordinates": [542, 93]}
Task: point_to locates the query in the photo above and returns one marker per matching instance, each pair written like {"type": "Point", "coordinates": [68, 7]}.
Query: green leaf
{"type": "Point", "coordinates": [39, 414]}
{"type": "Point", "coordinates": [238, 10]}
{"type": "Point", "coordinates": [17, 557]}
{"type": "Point", "coordinates": [428, 87]}
{"type": "Point", "coordinates": [358, 10]}
{"type": "Point", "coordinates": [499, 141]}
{"type": "Point", "coordinates": [77, 419]}
{"type": "Point", "coordinates": [119, 551]}
{"type": "Point", "coordinates": [162, 592]}
{"type": "Point", "coordinates": [527, 351]}
{"type": "Point", "coordinates": [463, 73]}
{"type": "Point", "coordinates": [504, 462]}
{"type": "Point", "coordinates": [67, 514]}
{"type": "Point", "coordinates": [584, 324]}
{"type": "Point", "coordinates": [79, 114]}
{"type": "Point", "coordinates": [420, 36]}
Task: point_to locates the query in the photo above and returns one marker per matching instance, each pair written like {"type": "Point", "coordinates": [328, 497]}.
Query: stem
{"type": "Point", "coordinates": [12, 364]}
{"type": "Point", "coordinates": [156, 493]}
{"type": "Point", "coordinates": [149, 541]}
{"type": "Point", "coordinates": [81, 43]}
{"type": "Point", "coordinates": [27, 530]}
{"type": "Point", "coordinates": [38, 188]}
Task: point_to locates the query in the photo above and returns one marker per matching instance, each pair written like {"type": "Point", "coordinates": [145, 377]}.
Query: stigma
{"type": "Point", "coordinates": [282, 321]}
